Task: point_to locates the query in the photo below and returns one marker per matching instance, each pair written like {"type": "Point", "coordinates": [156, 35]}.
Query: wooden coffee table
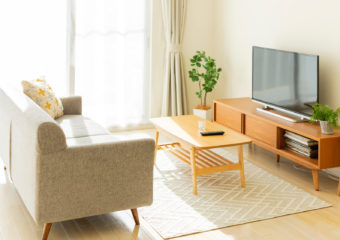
{"type": "Point", "coordinates": [194, 149]}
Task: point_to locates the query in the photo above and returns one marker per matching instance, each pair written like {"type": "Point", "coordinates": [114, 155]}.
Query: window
{"type": "Point", "coordinates": [33, 42]}
{"type": "Point", "coordinates": [111, 60]}
{"type": "Point", "coordinates": [109, 53]}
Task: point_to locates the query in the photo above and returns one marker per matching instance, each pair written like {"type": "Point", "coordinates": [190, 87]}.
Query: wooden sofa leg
{"type": "Point", "coordinates": [47, 228]}
{"type": "Point", "coordinates": [135, 215]}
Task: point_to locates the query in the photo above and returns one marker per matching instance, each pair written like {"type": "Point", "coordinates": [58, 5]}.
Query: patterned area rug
{"type": "Point", "coordinates": [221, 201]}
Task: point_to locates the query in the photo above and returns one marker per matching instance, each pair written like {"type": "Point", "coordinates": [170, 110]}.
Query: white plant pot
{"type": "Point", "coordinates": [326, 128]}
{"type": "Point", "coordinates": [206, 114]}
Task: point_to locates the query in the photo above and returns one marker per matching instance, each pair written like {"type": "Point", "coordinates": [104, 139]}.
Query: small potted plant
{"type": "Point", "coordinates": [206, 74]}
{"type": "Point", "coordinates": [327, 117]}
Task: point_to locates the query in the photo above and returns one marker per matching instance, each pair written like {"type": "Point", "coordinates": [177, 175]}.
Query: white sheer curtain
{"type": "Point", "coordinates": [111, 60]}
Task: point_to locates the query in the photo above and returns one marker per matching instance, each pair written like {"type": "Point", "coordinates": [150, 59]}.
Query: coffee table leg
{"type": "Point", "coordinates": [193, 169]}
{"type": "Point", "coordinates": [240, 159]}
{"type": "Point", "coordinates": [156, 147]}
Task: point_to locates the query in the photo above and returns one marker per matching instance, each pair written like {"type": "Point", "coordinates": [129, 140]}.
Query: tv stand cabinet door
{"type": "Point", "coordinates": [228, 117]}
{"type": "Point", "coordinates": [329, 152]}
{"type": "Point", "coordinates": [261, 130]}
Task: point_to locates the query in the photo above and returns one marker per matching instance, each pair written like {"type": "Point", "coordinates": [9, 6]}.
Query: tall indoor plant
{"type": "Point", "coordinates": [205, 72]}
{"type": "Point", "coordinates": [327, 117]}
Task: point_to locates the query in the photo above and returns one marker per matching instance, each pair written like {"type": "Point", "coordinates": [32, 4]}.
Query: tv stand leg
{"type": "Point", "coordinates": [316, 179]}
{"type": "Point", "coordinates": [277, 158]}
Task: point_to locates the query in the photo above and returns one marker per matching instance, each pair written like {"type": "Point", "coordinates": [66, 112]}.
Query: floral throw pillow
{"type": "Point", "coordinates": [41, 93]}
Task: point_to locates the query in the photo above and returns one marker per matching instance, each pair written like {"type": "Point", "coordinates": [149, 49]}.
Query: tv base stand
{"type": "Point", "coordinates": [267, 131]}
{"type": "Point", "coordinates": [279, 114]}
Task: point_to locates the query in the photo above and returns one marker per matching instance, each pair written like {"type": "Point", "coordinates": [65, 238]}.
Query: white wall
{"type": "Point", "coordinates": [308, 26]}
{"type": "Point", "coordinates": [198, 35]}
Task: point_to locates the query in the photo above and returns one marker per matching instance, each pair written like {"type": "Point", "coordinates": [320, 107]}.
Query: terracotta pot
{"type": "Point", "coordinates": [326, 128]}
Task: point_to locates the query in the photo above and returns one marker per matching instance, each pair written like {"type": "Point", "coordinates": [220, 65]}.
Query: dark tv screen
{"type": "Point", "coordinates": [285, 79]}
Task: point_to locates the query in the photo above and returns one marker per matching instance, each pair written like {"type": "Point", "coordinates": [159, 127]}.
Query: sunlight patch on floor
{"type": "Point", "coordinates": [229, 237]}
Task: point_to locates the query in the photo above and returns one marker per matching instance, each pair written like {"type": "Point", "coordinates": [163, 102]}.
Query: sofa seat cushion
{"type": "Point", "coordinates": [105, 139]}
{"type": "Point", "coordinates": [76, 126]}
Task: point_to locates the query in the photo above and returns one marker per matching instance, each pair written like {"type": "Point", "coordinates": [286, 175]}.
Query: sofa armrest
{"type": "Point", "coordinates": [95, 179]}
{"type": "Point", "coordinates": [72, 105]}
{"type": "Point", "coordinates": [50, 139]}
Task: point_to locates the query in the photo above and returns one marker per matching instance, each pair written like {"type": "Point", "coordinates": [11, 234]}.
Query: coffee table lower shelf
{"type": "Point", "coordinates": [204, 161]}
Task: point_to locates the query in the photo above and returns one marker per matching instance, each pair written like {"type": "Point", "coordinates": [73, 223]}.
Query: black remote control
{"type": "Point", "coordinates": [212, 133]}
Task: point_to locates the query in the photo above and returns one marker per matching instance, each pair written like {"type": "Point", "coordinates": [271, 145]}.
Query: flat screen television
{"type": "Point", "coordinates": [287, 81]}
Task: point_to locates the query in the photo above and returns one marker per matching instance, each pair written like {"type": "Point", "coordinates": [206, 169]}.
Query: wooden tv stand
{"type": "Point", "coordinates": [267, 131]}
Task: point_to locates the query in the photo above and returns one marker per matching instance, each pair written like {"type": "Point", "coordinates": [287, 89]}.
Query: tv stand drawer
{"type": "Point", "coordinates": [228, 117]}
{"type": "Point", "coordinates": [260, 130]}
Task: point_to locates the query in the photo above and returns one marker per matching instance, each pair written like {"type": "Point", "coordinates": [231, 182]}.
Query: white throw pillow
{"type": "Point", "coordinates": [41, 93]}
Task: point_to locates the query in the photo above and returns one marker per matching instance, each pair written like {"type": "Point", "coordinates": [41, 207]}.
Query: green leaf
{"type": "Point", "coordinates": [325, 113]}
{"type": "Point", "coordinates": [205, 72]}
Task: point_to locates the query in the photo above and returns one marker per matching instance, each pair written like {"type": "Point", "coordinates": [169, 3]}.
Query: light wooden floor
{"type": "Point", "coordinates": [16, 223]}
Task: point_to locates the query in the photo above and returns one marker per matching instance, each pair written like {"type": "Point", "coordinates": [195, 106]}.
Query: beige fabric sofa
{"type": "Point", "coordinates": [71, 167]}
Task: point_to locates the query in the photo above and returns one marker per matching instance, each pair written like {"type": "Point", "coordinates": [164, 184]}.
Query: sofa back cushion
{"type": "Point", "coordinates": [76, 126]}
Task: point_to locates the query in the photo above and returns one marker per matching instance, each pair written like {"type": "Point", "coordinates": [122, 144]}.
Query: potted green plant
{"type": "Point", "coordinates": [327, 117]}
{"type": "Point", "coordinates": [206, 74]}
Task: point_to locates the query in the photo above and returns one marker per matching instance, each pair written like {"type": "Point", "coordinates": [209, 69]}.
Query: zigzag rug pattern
{"type": "Point", "coordinates": [221, 201]}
